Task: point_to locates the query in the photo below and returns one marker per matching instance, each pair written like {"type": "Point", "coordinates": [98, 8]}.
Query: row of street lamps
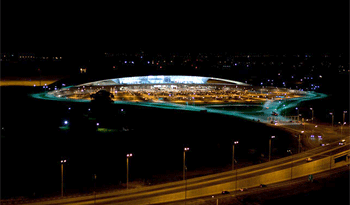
{"type": "Point", "coordinates": [129, 155]}
{"type": "Point", "coordinates": [186, 149]}
{"type": "Point", "coordinates": [127, 173]}
{"type": "Point", "coordinates": [331, 113]}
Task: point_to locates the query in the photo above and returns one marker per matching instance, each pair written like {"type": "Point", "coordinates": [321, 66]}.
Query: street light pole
{"type": "Point", "coordinates": [184, 163]}
{"type": "Point", "coordinates": [185, 185]}
{"type": "Point", "coordinates": [185, 171]}
{"type": "Point", "coordinates": [344, 112]}
{"type": "Point", "coordinates": [291, 167]}
{"type": "Point", "coordinates": [299, 147]}
{"type": "Point", "coordinates": [332, 118]}
{"type": "Point", "coordinates": [62, 162]}
{"type": "Point", "coordinates": [343, 122]}
{"type": "Point", "coordinates": [272, 137]}
{"type": "Point", "coordinates": [127, 169]}
{"type": "Point", "coordinates": [312, 119]}
{"type": "Point", "coordinates": [298, 113]}
{"type": "Point", "coordinates": [233, 154]}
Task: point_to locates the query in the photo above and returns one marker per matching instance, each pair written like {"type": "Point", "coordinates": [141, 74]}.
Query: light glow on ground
{"type": "Point", "coordinates": [263, 115]}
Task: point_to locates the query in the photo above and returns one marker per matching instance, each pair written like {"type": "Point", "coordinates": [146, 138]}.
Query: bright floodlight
{"type": "Point", "coordinates": [66, 122]}
{"type": "Point", "coordinates": [186, 149]}
{"type": "Point", "coordinates": [129, 155]}
{"type": "Point", "coordinates": [235, 142]}
{"type": "Point", "coordinates": [272, 137]}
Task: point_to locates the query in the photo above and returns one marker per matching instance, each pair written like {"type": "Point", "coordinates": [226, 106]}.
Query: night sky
{"type": "Point", "coordinates": [94, 26]}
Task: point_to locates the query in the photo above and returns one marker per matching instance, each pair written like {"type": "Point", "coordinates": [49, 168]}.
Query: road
{"type": "Point", "coordinates": [150, 194]}
{"type": "Point", "coordinates": [273, 191]}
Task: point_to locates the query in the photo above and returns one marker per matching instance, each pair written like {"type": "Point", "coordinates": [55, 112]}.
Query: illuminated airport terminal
{"type": "Point", "coordinates": [175, 89]}
{"type": "Point", "coordinates": [192, 93]}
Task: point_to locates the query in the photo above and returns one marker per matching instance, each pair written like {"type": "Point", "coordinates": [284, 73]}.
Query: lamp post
{"type": "Point", "coordinates": [272, 137]}
{"type": "Point", "coordinates": [185, 185]}
{"type": "Point", "coordinates": [331, 113]}
{"type": "Point", "coordinates": [185, 171]}
{"type": "Point", "coordinates": [312, 118]}
{"type": "Point", "coordinates": [291, 167]}
{"type": "Point", "coordinates": [127, 169]}
{"type": "Point", "coordinates": [184, 163]}
{"type": "Point", "coordinates": [299, 147]}
{"type": "Point", "coordinates": [344, 112]}
{"type": "Point", "coordinates": [233, 154]}
{"type": "Point", "coordinates": [298, 113]}
{"type": "Point", "coordinates": [62, 162]}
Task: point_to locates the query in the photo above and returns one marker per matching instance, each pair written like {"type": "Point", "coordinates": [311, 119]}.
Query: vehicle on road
{"type": "Point", "coordinates": [263, 185]}
{"type": "Point", "coordinates": [309, 159]}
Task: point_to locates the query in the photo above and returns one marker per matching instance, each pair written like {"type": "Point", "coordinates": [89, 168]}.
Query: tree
{"type": "Point", "coordinates": [102, 96]}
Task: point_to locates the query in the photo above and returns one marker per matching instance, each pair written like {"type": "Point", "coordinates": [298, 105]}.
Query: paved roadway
{"type": "Point", "coordinates": [272, 191]}
{"type": "Point", "coordinates": [142, 195]}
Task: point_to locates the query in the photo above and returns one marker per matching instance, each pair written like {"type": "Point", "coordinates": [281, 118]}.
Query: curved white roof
{"type": "Point", "coordinates": [163, 79]}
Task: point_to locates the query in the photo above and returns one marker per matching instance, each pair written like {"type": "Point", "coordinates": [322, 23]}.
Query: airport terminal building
{"type": "Point", "coordinates": [163, 81]}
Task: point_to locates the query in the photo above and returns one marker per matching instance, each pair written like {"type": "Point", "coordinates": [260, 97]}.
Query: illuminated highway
{"type": "Point", "coordinates": [281, 170]}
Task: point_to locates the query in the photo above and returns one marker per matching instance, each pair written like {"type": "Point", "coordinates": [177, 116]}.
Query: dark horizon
{"type": "Point", "coordinates": [83, 28]}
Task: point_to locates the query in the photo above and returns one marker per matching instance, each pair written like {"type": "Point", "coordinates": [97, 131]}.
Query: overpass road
{"type": "Point", "coordinates": [283, 169]}
{"type": "Point", "coordinates": [275, 190]}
